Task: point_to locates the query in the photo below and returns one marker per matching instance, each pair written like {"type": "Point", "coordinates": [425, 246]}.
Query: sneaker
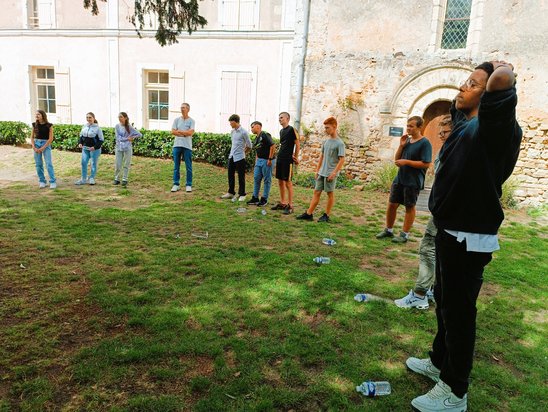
{"type": "Point", "coordinates": [53, 185]}
{"type": "Point", "coordinates": [241, 198]}
{"type": "Point", "coordinates": [175, 188]}
{"type": "Point", "coordinates": [305, 216]}
{"type": "Point", "coordinates": [262, 202]}
{"type": "Point", "coordinates": [324, 218]}
{"type": "Point", "coordinates": [227, 196]}
{"type": "Point", "coordinates": [124, 183]}
{"type": "Point", "coordinates": [440, 399]}
{"type": "Point", "coordinates": [430, 295]}
{"type": "Point", "coordinates": [412, 301]}
{"type": "Point", "coordinates": [188, 189]}
{"type": "Point", "coordinates": [80, 182]}
{"type": "Point", "coordinates": [116, 182]}
{"type": "Point", "coordinates": [401, 238]}
{"type": "Point", "coordinates": [91, 181]}
{"type": "Point", "coordinates": [253, 201]}
{"type": "Point", "coordinates": [42, 185]}
{"type": "Point", "coordinates": [384, 233]}
{"type": "Point", "coordinates": [287, 210]}
{"type": "Point", "coordinates": [424, 367]}
{"type": "Point", "coordinates": [278, 206]}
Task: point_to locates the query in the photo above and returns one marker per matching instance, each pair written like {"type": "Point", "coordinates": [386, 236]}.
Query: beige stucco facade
{"type": "Point", "coordinates": [373, 64]}
{"type": "Point", "coordinates": [101, 64]}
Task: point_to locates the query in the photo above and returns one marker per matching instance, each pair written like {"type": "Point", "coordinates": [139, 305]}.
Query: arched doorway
{"type": "Point", "coordinates": [432, 116]}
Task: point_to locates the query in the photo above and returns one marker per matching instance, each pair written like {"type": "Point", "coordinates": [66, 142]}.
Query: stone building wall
{"type": "Point", "coordinates": [373, 64]}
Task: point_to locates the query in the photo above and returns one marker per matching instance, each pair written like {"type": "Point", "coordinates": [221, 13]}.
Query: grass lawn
{"type": "Point", "coordinates": [108, 303]}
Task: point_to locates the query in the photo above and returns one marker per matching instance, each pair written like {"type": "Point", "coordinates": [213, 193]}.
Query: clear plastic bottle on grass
{"type": "Point", "coordinates": [322, 260]}
{"type": "Point", "coordinates": [372, 389]}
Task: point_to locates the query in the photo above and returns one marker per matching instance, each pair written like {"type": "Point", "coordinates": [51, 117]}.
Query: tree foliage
{"type": "Point", "coordinates": [173, 17]}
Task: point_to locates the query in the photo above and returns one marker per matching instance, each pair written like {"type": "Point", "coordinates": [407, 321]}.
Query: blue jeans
{"type": "Point", "coordinates": [94, 156]}
{"type": "Point", "coordinates": [262, 171]}
{"type": "Point", "coordinates": [38, 143]}
{"type": "Point", "coordinates": [178, 154]}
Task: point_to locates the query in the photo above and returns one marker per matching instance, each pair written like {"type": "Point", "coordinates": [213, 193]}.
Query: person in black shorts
{"type": "Point", "coordinates": [287, 156]}
{"type": "Point", "coordinates": [413, 157]}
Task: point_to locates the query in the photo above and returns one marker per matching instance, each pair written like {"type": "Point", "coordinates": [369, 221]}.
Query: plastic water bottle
{"type": "Point", "coordinates": [322, 260]}
{"type": "Point", "coordinates": [367, 297]}
{"type": "Point", "coordinates": [360, 297]}
{"type": "Point", "coordinates": [372, 389]}
{"type": "Point", "coordinates": [263, 212]}
{"type": "Point", "coordinates": [328, 242]}
{"type": "Point", "coordinates": [241, 210]}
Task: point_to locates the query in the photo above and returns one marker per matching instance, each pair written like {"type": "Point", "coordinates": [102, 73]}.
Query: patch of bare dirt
{"type": "Point", "coordinates": [16, 165]}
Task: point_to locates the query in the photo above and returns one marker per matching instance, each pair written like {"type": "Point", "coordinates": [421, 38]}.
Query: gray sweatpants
{"type": "Point", "coordinates": [427, 259]}
{"type": "Point", "coordinates": [123, 161]}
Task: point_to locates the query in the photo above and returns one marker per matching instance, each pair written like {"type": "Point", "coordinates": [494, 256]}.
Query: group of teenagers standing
{"type": "Point", "coordinates": [267, 160]}
{"type": "Point", "coordinates": [481, 144]}
{"type": "Point", "coordinates": [90, 141]}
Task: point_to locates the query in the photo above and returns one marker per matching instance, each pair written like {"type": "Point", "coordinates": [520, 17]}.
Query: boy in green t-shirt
{"type": "Point", "coordinates": [330, 163]}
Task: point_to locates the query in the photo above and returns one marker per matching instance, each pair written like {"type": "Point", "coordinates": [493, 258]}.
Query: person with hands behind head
{"type": "Point", "coordinates": [477, 158]}
{"type": "Point", "coordinates": [40, 139]}
{"type": "Point", "coordinates": [91, 140]}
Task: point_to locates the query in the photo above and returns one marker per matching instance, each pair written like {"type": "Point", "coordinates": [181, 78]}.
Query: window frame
{"type": "Point", "coordinates": [238, 26]}
{"type": "Point", "coordinates": [46, 82]}
{"type": "Point", "coordinates": [445, 19]}
{"type": "Point", "coordinates": [159, 123]}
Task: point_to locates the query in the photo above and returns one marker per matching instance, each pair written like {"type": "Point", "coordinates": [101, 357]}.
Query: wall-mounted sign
{"type": "Point", "coordinates": [395, 131]}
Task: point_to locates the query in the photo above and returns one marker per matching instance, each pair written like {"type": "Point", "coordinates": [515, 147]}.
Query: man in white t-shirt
{"type": "Point", "coordinates": [182, 129]}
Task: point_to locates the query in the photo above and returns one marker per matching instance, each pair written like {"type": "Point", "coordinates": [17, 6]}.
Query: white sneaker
{"type": "Point", "coordinates": [41, 185]}
{"type": "Point", "coordinates": [227, 196]}
{"type": "Point", "coordinates": [424, 367]}
{"type": "Point", "coordinates": [91, 181]}
{"type": "Point", "coordinates": [241, 199]}
{"type": "Point", "coordinates": [412, 301]}
{"type": "Point", "coordinates": [440, 399]}
{"type": "Point", "coordinates": [430, 295]}
{"type": "Point", "coordinates": [80, 182]}
{"type": "Point", "coordinates": [175, 188]}
{"type": "Point", "coordinates": [189, 189]}
{"type": "Point", "coordinates": [53, 185]}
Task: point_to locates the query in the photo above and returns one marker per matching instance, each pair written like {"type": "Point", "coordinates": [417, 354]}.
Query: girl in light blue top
{"type": "Point", "coordinates": [91, 140]}
{"type": "Point", "coordinates": [125, 133]}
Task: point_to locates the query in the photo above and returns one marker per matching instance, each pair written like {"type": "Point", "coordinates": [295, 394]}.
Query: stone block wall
{"type": "Point", "coordinates": [532, 167]}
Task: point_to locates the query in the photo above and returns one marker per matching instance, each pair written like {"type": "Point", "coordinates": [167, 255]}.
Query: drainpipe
{"type": "Point", "coordinates": [301, 65]}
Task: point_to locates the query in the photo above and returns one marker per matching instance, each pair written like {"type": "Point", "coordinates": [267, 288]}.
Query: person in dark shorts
{"type": "Point", "coordinates": [287, 156]}
{"type": "Point", "coordinates": [330, 163]}
{"type": "Point", "coordinates": [264, 162]}
{"type": "Point", "coordinates": [477, 158]}
{"type": "Point", "coordinates": [413, 157]}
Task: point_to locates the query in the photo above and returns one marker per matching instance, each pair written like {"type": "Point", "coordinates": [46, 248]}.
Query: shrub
{"type": "Point", "coordinates": [507, 200]}
{"type": "Point", "coordinates": [14, 132]}
{"type": "Point", "coordinates": [383, 177]}
{"type": "Point", "coordinates": [212, 148]}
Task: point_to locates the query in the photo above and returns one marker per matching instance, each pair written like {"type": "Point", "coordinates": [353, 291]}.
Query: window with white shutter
{"type": "Point", "coordinates": [239, 14]}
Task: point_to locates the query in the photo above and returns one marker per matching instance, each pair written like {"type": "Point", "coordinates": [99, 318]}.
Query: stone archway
{"type": "Point", "coordinates": [432, 116]}
{"type": "Point", "coordinates": [422, 88]}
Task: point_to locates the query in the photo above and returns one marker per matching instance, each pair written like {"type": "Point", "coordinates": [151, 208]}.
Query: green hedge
{"type": "Point", "coordinates": [209, 147]}
{"type": "Point", "coordinates": [13, 132]}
